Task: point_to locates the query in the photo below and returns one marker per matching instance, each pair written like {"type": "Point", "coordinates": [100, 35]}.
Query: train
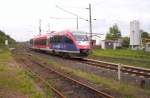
{"type": "Point", "coordinates": [64, 43]}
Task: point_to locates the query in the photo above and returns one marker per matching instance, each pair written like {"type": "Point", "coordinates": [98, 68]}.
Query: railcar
{"type": "Point", "coordinates": [65, 43]}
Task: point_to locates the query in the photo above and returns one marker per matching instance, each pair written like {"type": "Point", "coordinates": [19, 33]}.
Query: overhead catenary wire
{"type": "Point", "coordinates": [98, 3]}
{"type": "Point", "coordinates": [63, 18]}
{"type": "Point", "coordinates": [71, 13]}
{"type": "Point", "coordinates": [73, 7]}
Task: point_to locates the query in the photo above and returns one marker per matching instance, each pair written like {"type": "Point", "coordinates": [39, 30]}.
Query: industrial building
{"type": "Point", "coordinates": [96, 40]}
{"type": "Point", "coordinates": [111, 44]}
{"type": "Point", "coordinates": [135, 35]}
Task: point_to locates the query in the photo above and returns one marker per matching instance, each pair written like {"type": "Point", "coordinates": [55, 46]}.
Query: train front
{"type": "Point", "coordinates": [82, 43]}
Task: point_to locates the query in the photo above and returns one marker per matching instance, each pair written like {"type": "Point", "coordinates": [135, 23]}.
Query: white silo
{"type": "Point", "coordinates": [135, 35]}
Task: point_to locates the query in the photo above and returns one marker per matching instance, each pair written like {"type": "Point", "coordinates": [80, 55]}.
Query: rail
{"type": "Point", "coordinates": [124, 68]}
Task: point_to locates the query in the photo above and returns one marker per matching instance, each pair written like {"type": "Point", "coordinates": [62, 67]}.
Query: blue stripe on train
{"type": "Point", "coordinates": [64, 46]}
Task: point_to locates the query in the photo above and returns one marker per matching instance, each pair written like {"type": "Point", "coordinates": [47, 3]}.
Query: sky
{"type": "Point", "coordinates": [20, 18]}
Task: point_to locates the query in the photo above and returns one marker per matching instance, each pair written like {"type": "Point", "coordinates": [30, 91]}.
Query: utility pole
{"type": "Point", "coordinates": [48, 27]}
{"type": "Point", "coordinates": [39, 26]}
{"type": "Point", "coordinates": [77, 23]}
{"type": "Point", "coordinates": [90, 23]}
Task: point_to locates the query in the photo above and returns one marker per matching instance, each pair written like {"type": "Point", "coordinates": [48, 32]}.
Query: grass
{"type": "Point", "coordinates": [128, 91]}
{"type": "Point", "coordinates": [123, 53]}
{"type": "Point", "coordinates": [5, 55]}
{"type": "Point", "coordinates": [125, 89]}
{"type": "Point", "coordinates": [139, 58]}
{"type": "Point", "coordinates": [47, 90]}
{"type": "Point", "coordinates": [14, 79]}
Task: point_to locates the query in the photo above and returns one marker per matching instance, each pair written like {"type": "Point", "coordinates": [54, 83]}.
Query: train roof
{"type": "Point", "coordinates": [41, 36]}
{"type": "Point", "coordinates": [67, 32]}
{"type": "Point", "coordinates": [64, 32]}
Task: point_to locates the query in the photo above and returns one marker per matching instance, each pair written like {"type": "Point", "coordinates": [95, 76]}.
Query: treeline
{"type": "Point", "coordinates": [4, 37]}
{"type": "Point", "coordinates": [115, 34]}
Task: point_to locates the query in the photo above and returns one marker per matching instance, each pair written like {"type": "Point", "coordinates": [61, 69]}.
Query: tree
{"type": "Point", "coordinates": [4, 37]}
{"type": "Point", "coordinates": [114, 33]}
{"type": "Point", "coordinates": [144, 35]}
{"type": "Point", "coordinates": [125, 42]}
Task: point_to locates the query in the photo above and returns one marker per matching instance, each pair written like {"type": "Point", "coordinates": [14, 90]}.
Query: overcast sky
{"type": "Point", "coordinates": [20, 18]}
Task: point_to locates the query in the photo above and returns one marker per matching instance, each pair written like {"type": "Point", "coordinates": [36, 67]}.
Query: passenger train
{"type": "Point", "coordinates": [64, 43]}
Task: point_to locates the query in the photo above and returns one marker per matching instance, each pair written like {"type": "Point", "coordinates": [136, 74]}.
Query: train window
{"type": "Point", "coordinates": [60, 39]}
{"type": "Point", "coordinates": [68, 40]}
{"type": "Point", "coordinates": [56, 39]}
{"type": "Point", "coordinates": [35, 42]}
{"type": "Point", "coordinates": [40, 42]}
{"type": "Point", "coordinates": [43, 42]}
{"type": "Point", "coordinates": [81, 37]}
{"type": "Point", "coordinates": [51, 40]}
{"type": "Point", "coordinates": [31, 41]}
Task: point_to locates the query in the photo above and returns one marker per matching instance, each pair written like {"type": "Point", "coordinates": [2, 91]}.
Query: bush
{"type": "Point", "coordinates": [4, 37]}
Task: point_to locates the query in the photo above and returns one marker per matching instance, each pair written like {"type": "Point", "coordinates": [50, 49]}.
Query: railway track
{"type": "Point", "coordinates": [58, 94]}
{"type": "Point", "coordinates": [64, 86]}
{"type": "Point", "coordinates": [90, 91]}
{"type": "Point", "coordinates": [138, 71]}
{"type": "Point", "coordinates": [77, 88]}
{"type": "Point", "coordinates": [102, 63]}
{"type": "Point", "coordinates": [143, 72]}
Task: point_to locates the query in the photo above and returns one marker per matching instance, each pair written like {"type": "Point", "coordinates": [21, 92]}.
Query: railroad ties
{"type": "Point", "coordinates": [63, 85]}
{"type": "Point", "coordinates": [124, 68]}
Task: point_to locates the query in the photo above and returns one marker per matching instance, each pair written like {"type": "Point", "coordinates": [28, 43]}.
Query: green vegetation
{"type": "Point", "coordinates": [114, 33]}
{"type": "Point", "coordinates": [125, 89]}
{"type": "Point", "coordinates": [13, 79]}
{"type": "Point", "coordinates": [124, 56]}
{"type": "Point", "coordinates": [128, 91]}
{"type": "Point", "coordinates": [125, 42]}
{"type": "Point", "coordinates": [145, 37]}
{"type": "Point", "coordinates": [46, 89]}
{"type": "Point", "coordinates": [4, 37]}
{"type": "Point", "coordinates": [5, 55]}
{"type": "Point", "coordinates": [123, 53]}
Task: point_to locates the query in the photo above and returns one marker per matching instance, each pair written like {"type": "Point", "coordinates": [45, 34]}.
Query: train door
{"type": "Point", "coordinates": [57, 43]}
{"type": "Point", "coordinates": [69, 44]}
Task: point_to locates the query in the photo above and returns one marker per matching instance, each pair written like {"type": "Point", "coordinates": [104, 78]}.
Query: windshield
{"type": "Point", "coordinates": [81, 37]}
